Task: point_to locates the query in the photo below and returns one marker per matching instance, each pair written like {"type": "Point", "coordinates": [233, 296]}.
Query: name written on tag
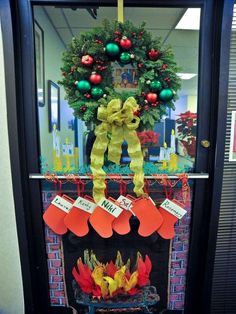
{"type": "Point", "coordinates": [124, 202]}
{"type": "Point", "coordinates": [62, 204]}
{"type": "Point", "coordinates": [85, 204]}
{"type": "Point", "coordinates": [173, 208]}
{"type": "Point", "coordinates": [110, 207]}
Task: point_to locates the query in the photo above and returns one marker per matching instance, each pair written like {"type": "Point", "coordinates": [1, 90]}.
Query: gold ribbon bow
{"type": "Point", "coordinates": [121, 123]}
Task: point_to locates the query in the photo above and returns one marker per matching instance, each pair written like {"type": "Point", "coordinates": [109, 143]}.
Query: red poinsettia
{"type": "Point", "coordinates": [187, 131]}
{"type": "Point", "coordinates": [148, 137]}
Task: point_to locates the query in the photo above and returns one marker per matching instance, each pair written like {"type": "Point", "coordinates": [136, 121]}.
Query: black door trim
{"type": "Point", "coordinates": [18, 180]}
{"type": "Point", "coordinates": [222, 99]}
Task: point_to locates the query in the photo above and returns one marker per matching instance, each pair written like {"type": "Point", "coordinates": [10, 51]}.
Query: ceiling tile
{"type": "Point", "coordinates": [65, 35]}
{"type": "Point", "coordinates": [56, 16]}
{"type": "Point", "coordinates": [159, 21]}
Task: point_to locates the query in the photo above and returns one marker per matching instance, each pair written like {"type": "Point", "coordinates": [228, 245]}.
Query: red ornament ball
{"type": "Point", "coordinates": [83, 108]}
{"type": "Point", "coordinates": [98, 41]}
{"type": "Point", "coordinates": [101, 68]}
{"type": "Point", "coordinates": [151, 97]}
{"type": "Point", "coordinates": [95, 78]}
{"type": "Point", "coordinates": [87, 95]}
{"type": "Point", "coordinates": [125, 43]}
{"type": "Point", "coordinates": [87, 60]}
{"type": "Point", "coordinates": [146, 108]}
{"type": "Point", "coordinates": [140, 65]}
{"type": "Point", "coordinates": [153, 54]}
{"type": "Point", "coordinates": [164, 66]}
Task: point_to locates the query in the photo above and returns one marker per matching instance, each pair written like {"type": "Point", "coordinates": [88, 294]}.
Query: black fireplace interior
{"type": "Point", "coordinates": [106, 249]}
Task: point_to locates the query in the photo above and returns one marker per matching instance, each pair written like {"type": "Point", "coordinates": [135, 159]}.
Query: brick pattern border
{"type": "Point", "coordinates": [54, 260]}
{"type": "Point", "coordinates": [179, 259]}
{"type": "Point", "coordinates": [178, 262]}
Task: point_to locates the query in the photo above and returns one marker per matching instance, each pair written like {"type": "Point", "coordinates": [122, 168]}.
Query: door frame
{"type": "Point", "coordinates": [23, 136]}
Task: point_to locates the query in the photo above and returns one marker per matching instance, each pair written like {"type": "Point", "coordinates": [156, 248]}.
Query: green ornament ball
{"type": "Point", "coordinates": [125, 57]}
{"type": "Point", "coordinates": [96, 92]}
{"type": "Point", "coordinates": [155, 86]}
{"type": "Point", "coordinates": [166, 94]}
{"type": "Point", "coordinates": [112, 49]}
{"type": "Point", "coordinates": [83, 86]}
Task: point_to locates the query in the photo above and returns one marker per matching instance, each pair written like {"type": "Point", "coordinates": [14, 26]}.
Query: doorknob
{"type": "Point", "coordinates": [205, 143]}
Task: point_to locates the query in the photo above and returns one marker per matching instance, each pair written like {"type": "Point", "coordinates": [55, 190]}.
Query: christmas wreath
{"type": "Point", "coordinates": [87, 72]}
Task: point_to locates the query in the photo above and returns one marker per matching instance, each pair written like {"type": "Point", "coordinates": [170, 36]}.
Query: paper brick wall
{"type": "Point", "coordinates": [54, 254]}
{"type": "Point", "coordinates": [179, 258]}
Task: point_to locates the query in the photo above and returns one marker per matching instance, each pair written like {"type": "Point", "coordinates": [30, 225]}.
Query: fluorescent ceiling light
{"type": "Point", "coordinates": [186, 76]}
{"type": "Point", "coordinates": [190, 20]}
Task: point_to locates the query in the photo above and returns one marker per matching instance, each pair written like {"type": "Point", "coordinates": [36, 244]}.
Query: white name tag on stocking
{"type": "Point", "coordinates": [125, 203]}
{"type": "Point", "coordinates": [173, 208]}
{"type": "Point", "coordinates": [110, 207]}
{"type": "Point", "coordinates": [84, 204]}
{"type": "Point", "coordinates": [61, 203]}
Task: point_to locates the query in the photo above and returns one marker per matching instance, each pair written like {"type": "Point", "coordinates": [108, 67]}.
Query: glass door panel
{"type": "Point", "coordinates": [66, 142]}
{"type": "Point", "coordinates": [176, 129]}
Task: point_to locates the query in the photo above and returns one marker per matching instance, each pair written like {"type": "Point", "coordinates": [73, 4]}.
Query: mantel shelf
{"type": "Point", "coordinates": [39, 176]}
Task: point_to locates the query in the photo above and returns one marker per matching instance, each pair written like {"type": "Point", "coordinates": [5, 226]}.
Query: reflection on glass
{"type": "Point", "coordinates": [54, 105]}
{"type": "Point", "coordinates": [39, 59]}
{"type": "Point", "coordinates": [176, 133]}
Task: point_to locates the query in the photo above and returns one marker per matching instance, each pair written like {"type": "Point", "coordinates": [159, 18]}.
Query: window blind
{"type": "Point", "coordinates": [223, 299]}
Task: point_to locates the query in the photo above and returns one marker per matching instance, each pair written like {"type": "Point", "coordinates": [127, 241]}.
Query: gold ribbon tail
{"type": "Point", "coordinates": [114, 119]}
{"type": "Point", "coordinates": [136, 163]}
{"type": "Point", "coordinates": [97, 161]}
{"type": "Point", "coordinates": [114, 147]}
{"type": "Point", "coordinates": [122, 123]}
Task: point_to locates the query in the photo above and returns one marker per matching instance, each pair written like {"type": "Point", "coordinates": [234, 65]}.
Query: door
{"type": "Point", "coordinates": [44, 29]}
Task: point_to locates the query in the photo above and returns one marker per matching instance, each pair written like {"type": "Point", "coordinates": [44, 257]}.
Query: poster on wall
{"type": "Point", "coordinates": [232, 149]}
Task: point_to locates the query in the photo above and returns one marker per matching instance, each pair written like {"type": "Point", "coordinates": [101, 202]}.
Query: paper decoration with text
{"type": "Point", "coordinates": [148, 215]}
{"type": "Point", "coordinates": [121, 224]}
{"type": "Point", "coordinates": [77, 219]}
{"type": "Point", "coordinates": [103, 217]}
{"type": "Point", "coordinates": [56, 212]}
{"type": "Point", "coordinates": [171, 211]}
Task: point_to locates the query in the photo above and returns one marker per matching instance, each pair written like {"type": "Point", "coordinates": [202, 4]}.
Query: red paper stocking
{"type": "Point", "coordinates": [166, 230]}
{"type": "Point", "coordinates": [103, 216]}
{"type": "Point", "coordinates": [148, 215]}
{"type": "Point", "coordinates": [77, 219]}
{"type": "Point", "coordinates": [171, 211]}
{"type": "Point", "coordinates": [121, 223]}
{"type": "Point", "coordinates": [56, 212]}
